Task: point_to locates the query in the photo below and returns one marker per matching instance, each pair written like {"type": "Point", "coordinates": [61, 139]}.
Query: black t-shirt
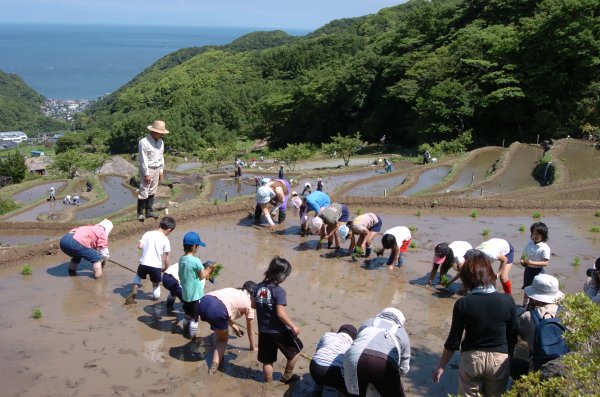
{"type": "Point", "coordinates": [267, 297]}
{"type": "Point", "coordinates": [489, 321]}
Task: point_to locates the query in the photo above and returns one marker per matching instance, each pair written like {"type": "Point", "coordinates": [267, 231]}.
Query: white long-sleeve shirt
{"type": "Point", "coordinates": [151, 154]}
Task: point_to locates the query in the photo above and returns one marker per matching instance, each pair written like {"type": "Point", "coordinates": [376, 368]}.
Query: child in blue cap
{"type": "Point", "coordinates": [192, 276]}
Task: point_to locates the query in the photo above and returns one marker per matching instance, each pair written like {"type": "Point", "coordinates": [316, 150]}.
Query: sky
{"type": "Point", "coordinates": [298, 14]}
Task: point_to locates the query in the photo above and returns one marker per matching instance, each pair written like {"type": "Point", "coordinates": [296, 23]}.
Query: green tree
{"type": "Point", "coordinates": [292, 153]}
{"type": "Point", "coordinates": [13, 165]}
{"type": "Point", "coordinates": [69, 141]}
{"type": "Point", "coordinates": [343, 146]}
{"type": "Point", "coordinates": [217, 155]}
{"type": "Point", "coordinates": [71, 162]}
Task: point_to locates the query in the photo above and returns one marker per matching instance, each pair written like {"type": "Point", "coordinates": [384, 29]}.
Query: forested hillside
{"type": "Point", "coordinates": [419, 72]}
{"type": "Point", "coordinates": [20, 107]}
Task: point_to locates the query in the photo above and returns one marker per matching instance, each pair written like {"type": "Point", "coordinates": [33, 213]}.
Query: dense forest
{"type": "Point", "coordinates": [422, 71]}
{"type": "Point", "coordinates": [20, 107]}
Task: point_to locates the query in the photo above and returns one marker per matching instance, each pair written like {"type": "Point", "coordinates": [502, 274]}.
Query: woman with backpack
{"type": "Point", "coordinates": [488, 320]}
{"type": "Point", "coordinates": [543, 294]}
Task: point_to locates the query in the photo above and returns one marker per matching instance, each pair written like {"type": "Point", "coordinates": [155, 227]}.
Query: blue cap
{"type": "Point", "coordinates": [192, 238]}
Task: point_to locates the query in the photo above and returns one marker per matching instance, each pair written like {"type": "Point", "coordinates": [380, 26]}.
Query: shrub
{"type": "Point", "coordinates": [7, 204]}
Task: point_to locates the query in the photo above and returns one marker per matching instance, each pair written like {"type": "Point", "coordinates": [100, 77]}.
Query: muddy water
{"type": "Point", "coordinates": [35, 193]}
{"type": "Point", "coordinates": [98, 347]}
{"type": "Point", "coordinates": [32, 214]}
{"type": "Point", "coordinates": [19, 237]}
{"type": "Point", "coordinates": [335, 182]}
{"type": "Point", "coordinates": [119, 197]}
{"type": "Point", "coordinates": [518, 174]}
{"type": "Point", "coordinates": [379, 186]}
{"type": "Point", "coordinates": [581, 159]}
{"type": "Point", "coordinates": [232, 187]}
{"type": "Point", "coordinates": [476, 169]}
{"type": "Point", "coordinates": [188, 166]}
{"type": "Point", "coordinates": [428, 179]}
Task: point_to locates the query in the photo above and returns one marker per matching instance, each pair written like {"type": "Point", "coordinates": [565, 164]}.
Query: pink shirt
{"type": "Point", "coordinates": [236, 301]}
{"type": "Point", "coordinates": [91, 236]}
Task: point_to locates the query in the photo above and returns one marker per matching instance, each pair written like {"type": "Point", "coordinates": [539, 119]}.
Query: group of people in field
{"type": "Point", "coordinates": [373, 358]}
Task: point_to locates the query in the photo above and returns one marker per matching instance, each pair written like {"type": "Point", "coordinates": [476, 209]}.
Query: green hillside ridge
{"type": "Point", "coordinates": [418, 72]}
{"type": "Point", "coordinates": [20, 107]}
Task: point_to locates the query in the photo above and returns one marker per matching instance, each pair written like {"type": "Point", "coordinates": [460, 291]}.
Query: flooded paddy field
{"type": "Point", "coordinates": [37, 192]}
{"type": "Point", "coordinates": [427, 179]}
{"type": "Point", "coordinates": [88, 343]}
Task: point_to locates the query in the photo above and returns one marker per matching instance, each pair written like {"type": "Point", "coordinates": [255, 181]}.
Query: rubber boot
{"type": "Point", "coordinates": [141, 205]}
{"type": "Point", "coordinates": [149, 205]}
{"type": "Point", "coordinates": [281, 217]}
{"type": "Point", "coordinates": [257, 214]}
{"type": "Point", "coordinates": [368, 251]}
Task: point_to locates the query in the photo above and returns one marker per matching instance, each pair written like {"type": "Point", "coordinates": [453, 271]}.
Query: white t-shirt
{"type": "Point", "coordinates": [536, 252]}
{"type": "Point", "coordinates": [173, 270]}
{"type": "Point", "coordinates": [459, 248]}
{"type": "Point", "coordinates": [154, 245]}
{"type": "Point", "coordinates": [401, 233]}
{"type": "Point", "coordinates": [494, 247]}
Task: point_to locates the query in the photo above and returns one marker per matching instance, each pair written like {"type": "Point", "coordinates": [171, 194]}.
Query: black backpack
{"type": "Point", "coordinates": [548, 342]}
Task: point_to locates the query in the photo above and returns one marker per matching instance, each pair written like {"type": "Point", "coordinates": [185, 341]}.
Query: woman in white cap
{"type": "Point", "coordinates": [87, 242]}
{"type": "Point", "coordinates": [378, 357]}
{"type": "Point", "coordinates": [151, 165]}
{"type": "Point", "coordinates": [543, 295]}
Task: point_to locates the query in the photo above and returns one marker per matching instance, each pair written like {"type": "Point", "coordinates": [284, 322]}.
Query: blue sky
{"type": "Point", "coordinates": [301, 14]}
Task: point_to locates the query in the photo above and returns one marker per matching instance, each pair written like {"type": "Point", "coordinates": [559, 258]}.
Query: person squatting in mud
{"type": "Point", "coordinates": [90, 243]}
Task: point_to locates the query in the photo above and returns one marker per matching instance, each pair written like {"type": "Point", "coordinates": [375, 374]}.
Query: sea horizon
{"type": "Point", "coordinates": [87, 61]}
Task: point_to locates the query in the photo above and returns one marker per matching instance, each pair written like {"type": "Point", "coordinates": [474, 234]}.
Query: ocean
{"type": "Point", "coordinates": [88, 61]}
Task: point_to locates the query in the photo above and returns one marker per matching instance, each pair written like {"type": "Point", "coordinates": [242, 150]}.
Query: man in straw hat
{"type": "Point", "coordinates": [151, 165]}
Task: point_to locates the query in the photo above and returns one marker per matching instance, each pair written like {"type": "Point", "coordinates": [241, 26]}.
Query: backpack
{"type": "Point", "coordinates": [548, 342]}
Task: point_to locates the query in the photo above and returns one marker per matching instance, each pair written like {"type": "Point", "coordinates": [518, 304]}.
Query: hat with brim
{"type": "Point", "coordinates": [107, 225]}
{"type": "Point", "coordinates": [193, 238]}
{"type": "Point", "coordinates": [263, 195]}
{"type": "Point", "coordinates": [158, 126]}
{"type": "Point", "coordinates": [544, 289]}
{"type": "Point", "coordinates": [315, 224]}
{"type": "Point", "coordinates": [343, 232]}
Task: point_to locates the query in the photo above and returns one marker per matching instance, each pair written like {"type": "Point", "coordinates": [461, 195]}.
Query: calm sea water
{"type": "Point", "coordinates": [87, 61]}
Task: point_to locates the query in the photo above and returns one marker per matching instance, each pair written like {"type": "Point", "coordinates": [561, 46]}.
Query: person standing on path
{"type": "Point", "coordinates": [151, 166]}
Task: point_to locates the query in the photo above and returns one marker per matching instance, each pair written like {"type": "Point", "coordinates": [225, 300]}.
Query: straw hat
{"type": "Point", "coordinates": [544, 289]}
{"type": "Point", "coordinates": [159, 127]}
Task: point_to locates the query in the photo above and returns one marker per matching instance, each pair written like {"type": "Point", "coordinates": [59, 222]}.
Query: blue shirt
{"type": "Point", "coordinates": [317, 200]}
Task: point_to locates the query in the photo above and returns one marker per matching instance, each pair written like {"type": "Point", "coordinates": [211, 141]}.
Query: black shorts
{"type": "Point", "coordinates": [153, 272]}
{"type": "Point", "coordinates": [529, 275]}
{"type": "Point", "coordinates": [377, 227]}
{"type": "Point", "coordinates": [268, 344]}
{"type": "Point", "coordinates": [191, 309]}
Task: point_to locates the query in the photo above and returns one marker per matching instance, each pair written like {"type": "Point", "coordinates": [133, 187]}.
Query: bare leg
{"type": "Point", "coordinates": [218, 355]}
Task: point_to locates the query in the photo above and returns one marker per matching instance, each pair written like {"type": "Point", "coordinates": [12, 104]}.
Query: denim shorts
{"type": "Point", "coordinates": [77, 251]}
{"type": "Point", "coordinates": [377, 227]}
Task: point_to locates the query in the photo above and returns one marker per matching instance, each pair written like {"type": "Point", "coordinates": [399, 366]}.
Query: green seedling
{"type": "Point", "coordinates": [536, 215]}
{"type": "Point", "coordinates": [597, 213]}
{"type": "Point", "coordinates": [444, 280]}
{"type": "Point", "coordinates": [522, 228]}
{"type": "Point", "coordinates": [37, 313]}
{"type": "Point", "coordinates": [412, 229]}
{"type": "Point", "coordinates": [378, 251]}
{"type": "Point", "coordinates": [474, 214]}
{"type": "Point", "coordinates": [214, 272]}
{"type": "Point", "coordinates": [485, 232]}
{"type": "Point", "coordinates": [577, 261]}
{"type": "Point", "coordinates": [419, 213]}
{"type": "Point", "coordinates": [26, 270]}
{"type": "Point", "coordinates": [359, 211]}
{"type": "Point", "coordinates": [595, 229]}
{"type": "Point", "coordinates": [413, 244]}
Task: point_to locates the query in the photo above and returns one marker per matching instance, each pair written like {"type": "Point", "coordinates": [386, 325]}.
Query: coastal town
{"type": "Point", "coordinates": [65, 109]}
